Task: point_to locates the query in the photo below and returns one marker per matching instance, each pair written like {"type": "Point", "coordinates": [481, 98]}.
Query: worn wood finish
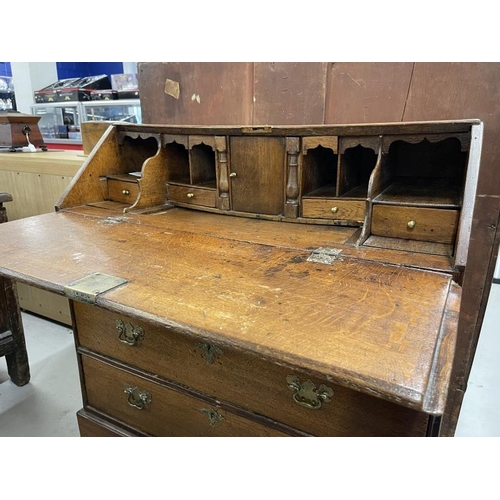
{"type": "Point", "coordinates": [190, 195]}
{"type": "Point", "coordinates": [4, 198]}
{"type": "Point", "coordinates": [12, 342]}
{"type": "Point", "coordinates": [92, 133]}
{"type": "Point", "coordinates": [91, 425]}
{"type": "Point", "coordinates": [36, 181]}
{"type": "Point", "coordinates": [482, 255]}
{"type": "Point", "coordinates": [123, 191]}
{"type": "Point", "coordinates": [196, 93]}
{"type": "Point", "coordinates": [334, 209]}
{"type": "Point", "coordinates": [289, 93]}
{"type": "Point", "coordinates": [376, 327]}
{"type": "Point", "coordinates": [258, 185]}
{"type": "Point", "coordinates": [429, 224]}
{"type": "Point", "coordinates": [366, 92]}
{"type": "Point", "coordinates": [278, 280]}
{"type": "Point", "coordinates": [231, 375]}
{"type": "Point", "coordinates": [170, 413]}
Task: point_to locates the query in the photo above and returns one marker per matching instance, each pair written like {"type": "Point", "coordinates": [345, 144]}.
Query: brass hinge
{"type": "Point", "coordinates": [88, 288]}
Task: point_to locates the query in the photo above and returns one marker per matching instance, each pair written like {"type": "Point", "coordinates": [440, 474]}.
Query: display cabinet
{"type": "Point", "coordinates": [126, 110]}
{"type": "Point", "coordinates": [59, 122]}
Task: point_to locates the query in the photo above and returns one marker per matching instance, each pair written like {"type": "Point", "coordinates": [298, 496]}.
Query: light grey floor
{"type": "Point", "coordinates": [47, 405]}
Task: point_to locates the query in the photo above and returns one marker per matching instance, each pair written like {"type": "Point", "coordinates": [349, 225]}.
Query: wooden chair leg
{"type": "Point", "coordinates": [12, 333]}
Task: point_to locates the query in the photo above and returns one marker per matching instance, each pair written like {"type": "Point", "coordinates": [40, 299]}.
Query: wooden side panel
{"type": "Point", "coordinates": [86, 185]}
{"type": "Point", "coordinates": [366, 92]}
{"type": "Point", "coordinates": [458, 90]}
{"type": "Point", "coordinates": [196, 93]}
{"type": "Point", "coordinates": [289, 93]}
{"type": "Point", "coordinates": [91, 133]}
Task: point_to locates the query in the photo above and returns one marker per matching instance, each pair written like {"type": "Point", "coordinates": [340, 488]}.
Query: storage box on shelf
{"type": "Point", "coordinates": [328, 305]}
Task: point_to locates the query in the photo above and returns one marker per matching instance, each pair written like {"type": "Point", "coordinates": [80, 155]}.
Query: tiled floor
{"type": "Point", "coordinates": [47, 405]}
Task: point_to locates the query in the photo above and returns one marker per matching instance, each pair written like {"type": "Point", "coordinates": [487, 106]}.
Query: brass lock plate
{"type": "Point", "coordinates": [88, 288]}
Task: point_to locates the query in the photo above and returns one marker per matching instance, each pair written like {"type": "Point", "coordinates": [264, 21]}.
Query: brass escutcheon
{"type": "Point", "coordinates": [137, 398]}
{"type": "Point", "coordinates": [411, 224]}
{"type": "Point", "coordinates": [210, 352]}
{"type": "Point", "coordinates": [306, 394]}
{"type": "Point", "coordinates": [129, 334]}
{"type": "Point", "coordinates": [214, 418]}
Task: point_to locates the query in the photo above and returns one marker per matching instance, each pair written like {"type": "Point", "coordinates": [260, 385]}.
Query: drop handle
{"type": "Point", "coordinates": [190, 195]}
{"type": "Point", "coordinates": [125, 192]}
{"type": "Point", "coordinates": [232, 175]}
{"type": "Point", "coordinates": [137, 398]}
{"type": "Point", "coordinates": [334, 210]}
{"type": "Point", "coordinates": [411, 224]}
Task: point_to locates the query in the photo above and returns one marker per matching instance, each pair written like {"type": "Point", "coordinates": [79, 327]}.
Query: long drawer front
{"type": "Point", "coordinates": [309, 404]}
{"type": "Point", "coordinates": [159, 411]}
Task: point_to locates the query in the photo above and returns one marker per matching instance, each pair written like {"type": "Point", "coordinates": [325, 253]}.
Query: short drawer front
{"type": "Point", "coordinates": [122, 192]}
{"type": "Point", "coordinates": [157, 410]}
{"type": "Point", "coordinates": [324, 208]}
{"type": "Point", "coordinates": [415, 223]}
{"type": "Point", "coordinates": [191, 195]}
{"type": "Point", "coordinates": [245, 380]}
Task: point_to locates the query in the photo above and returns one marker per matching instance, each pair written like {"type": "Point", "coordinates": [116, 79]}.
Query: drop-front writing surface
{"type": "Point", "coordinates": [331, 316]}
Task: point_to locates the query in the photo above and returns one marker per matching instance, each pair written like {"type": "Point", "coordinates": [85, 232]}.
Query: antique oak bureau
{"type": "Point", "coordinates": [261, 281]}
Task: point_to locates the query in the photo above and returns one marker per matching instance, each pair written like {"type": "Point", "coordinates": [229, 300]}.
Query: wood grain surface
{"type": "Point", "coordinates": [268, 300]}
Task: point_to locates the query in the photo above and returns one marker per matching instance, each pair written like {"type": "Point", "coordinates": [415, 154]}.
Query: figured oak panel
{"type": "Point", "coordinates": [245, 380]}
{"type": "Point", "coordinates": [257, 164]}
{"type": "Point", "coordinates": [167, 412]}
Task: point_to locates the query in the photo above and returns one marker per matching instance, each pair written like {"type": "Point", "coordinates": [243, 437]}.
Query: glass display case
{"type": "Point", "coordinates": [121, 110]}
{"type": "Point", "coordinates": [59, 122]}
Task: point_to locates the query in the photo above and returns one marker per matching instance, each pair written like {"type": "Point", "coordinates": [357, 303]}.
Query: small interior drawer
{"type": "Point", "coordinates": [122, 191]}
{"type": "Point", "coordinates": [415, 223]}
{"type": "Point", "coordinates": [192, 195]}
{"type": "Point", "coordinates": [327, 208]}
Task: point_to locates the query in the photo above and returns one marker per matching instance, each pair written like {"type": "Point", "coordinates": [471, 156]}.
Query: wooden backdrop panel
{"type": "Point", "coordinates": [289, 93]}
{"type": "Point", "coordinates": [367, 92]}
{"type": "Point", "coordinates": [196, 93]}
{"type": "Point", "coordinates": [447, 91]}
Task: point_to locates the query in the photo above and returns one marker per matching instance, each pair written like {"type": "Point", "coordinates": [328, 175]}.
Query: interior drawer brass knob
{"type": "Point", "coordinates": [232, 174]}
{"type": "Point", "coordinates": [190, 195]}
{"type": "Point", "coordinates": [125, 191]}
{"type": "Point", "coordinates": [334, 210]}
{"type": "Point", "coordinates": [411, 224]}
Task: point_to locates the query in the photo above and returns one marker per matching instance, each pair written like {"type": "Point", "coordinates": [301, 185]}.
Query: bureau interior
{"type": "Point", "coordinates": [403, 190]}
{"type": "Point", "coordinates": [190, 163]}
{"type": "Point", "coordinates": [425, 174]}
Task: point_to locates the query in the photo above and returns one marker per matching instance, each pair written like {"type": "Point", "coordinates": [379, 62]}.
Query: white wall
{"type": "Point", "coordinates": [496, 275]}
{"type": "Point", "coordinates": [28, 77]}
